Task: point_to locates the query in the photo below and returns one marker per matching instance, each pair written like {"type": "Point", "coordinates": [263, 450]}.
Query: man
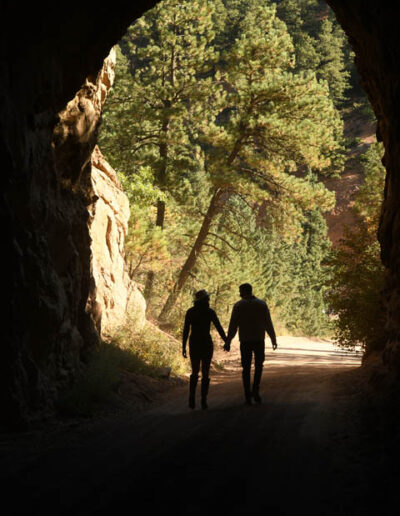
{"type": "Point", "coordinates": [252, 317]}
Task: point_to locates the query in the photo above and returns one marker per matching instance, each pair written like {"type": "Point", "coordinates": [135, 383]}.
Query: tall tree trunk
{"type": "Point", "coordinates": [148, 289]}
{"type": "Point", "coordinates": [160, 216]}
{"type": "Point", "coordinates": [213, 209]}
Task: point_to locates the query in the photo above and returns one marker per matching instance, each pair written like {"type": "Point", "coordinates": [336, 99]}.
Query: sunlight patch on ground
{"type": "Point", "coordinates": [295, 351]}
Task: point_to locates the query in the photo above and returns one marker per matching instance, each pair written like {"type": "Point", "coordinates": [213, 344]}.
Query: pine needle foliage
{"type": "Point", "coordinates": [212, 119]}
{"type": "Point", "coordinates": [356, 291]}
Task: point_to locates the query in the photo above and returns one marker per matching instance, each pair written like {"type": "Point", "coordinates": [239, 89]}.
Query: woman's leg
{"type": "Point", "coordinates": [195, 361]}
{"type": "Point", "coordinates": [205, 380]}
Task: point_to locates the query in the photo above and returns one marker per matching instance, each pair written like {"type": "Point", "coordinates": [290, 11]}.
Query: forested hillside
{"type": "Point", "coordinates": [225, 125]}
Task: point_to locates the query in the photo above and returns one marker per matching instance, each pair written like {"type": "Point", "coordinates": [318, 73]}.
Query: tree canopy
{"type": "Point", "coordinates": [222, 122]}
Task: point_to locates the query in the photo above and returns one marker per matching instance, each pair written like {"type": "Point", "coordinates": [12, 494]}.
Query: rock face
{"type": "Point", "coordinates": [116, 296]}
{"type": "Point", "coordinates": [46, 57]}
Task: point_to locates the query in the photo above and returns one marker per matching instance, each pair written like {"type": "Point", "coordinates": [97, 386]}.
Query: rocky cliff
{"type": "Point", "coordinates": [50, 103]}
{"type": "Point", "coordinates": [116, 297]}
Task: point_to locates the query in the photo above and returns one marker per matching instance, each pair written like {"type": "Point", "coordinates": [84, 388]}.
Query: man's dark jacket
{"type": "Point", "coordinates": [251, 315]}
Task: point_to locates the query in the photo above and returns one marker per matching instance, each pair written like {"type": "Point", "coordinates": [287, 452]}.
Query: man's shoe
{"type": "Point", "coordinates": [257, 397]}
{"type": "Point", "coordinates": [248, 400]}
{"type": "Point", "coordinates": [205, 382]}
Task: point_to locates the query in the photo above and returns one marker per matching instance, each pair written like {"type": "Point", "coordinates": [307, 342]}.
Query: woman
{"type": "Point", "coordinates": [199, 319]}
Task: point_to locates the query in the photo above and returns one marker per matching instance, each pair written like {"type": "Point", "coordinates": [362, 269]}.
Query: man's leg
{"type": "Point", "coordinates": [259, 357]}
{"type": "Point", "coordinates": [193, 380]}
{"type": "Point", "coordinates": [246, 354]}
{"type": "Point", "coordinates": [205, 381]}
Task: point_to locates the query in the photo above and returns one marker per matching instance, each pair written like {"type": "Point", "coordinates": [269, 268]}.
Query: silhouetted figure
{"type": "Point", "coordinates": [251, 315]}
{"type": "Point", "coordinates": [201, 348]}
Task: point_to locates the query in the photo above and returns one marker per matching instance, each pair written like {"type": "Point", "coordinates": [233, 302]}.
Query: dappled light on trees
{"type": "Point", "coordinates": [222, 127]}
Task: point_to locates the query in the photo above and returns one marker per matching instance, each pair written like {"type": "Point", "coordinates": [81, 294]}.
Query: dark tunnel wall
{"type": "Point", "coordinates": [46, 54]}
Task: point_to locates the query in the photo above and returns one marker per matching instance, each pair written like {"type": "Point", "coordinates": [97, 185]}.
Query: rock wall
{"type": "Point", "coordinates": [46, 53]}
{"type": "Point", "coordinates": [116, 296]}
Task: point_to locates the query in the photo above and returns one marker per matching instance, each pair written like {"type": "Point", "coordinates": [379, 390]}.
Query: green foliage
{"type": "Point", "coordinates": [331, 66]}
{"type": "Point", "coordinates": [290, 273]}
{"type": "Point", "coordinates": [161, 93]}
{"type": "Point", "coordinates": [153, 349]}
{"type": "Point", "coordinates": [369, 198]}
{"type": "Point", "coordinates": [356, 290]}
{"type": "Point", "coordinates": [299, 296]}
{"type": "Point", "coordinates": [320, 43]}
{"type": "Point", "coordinates": [276, 120]}
{"type": "Point", "coordinates": [355, 296]}
{"type": "Point", "coordinates": [146, 245]}
{"type": "Point", "coordinates": [219, 101]}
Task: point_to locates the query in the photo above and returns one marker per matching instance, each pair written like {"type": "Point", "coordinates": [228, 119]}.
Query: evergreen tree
{"type": "Point", "coordinates": [331, 66]}
{"type": "Point", "coordinates": [359, 276]}
{"type": "Point", "coordinates": [169, 54]}
{"type": "Point", "coordinates": [368, 202]}
{"type": "Point", "coordinates": [320, 43]}
{"type": "Point", "coordinates": [273, 122]}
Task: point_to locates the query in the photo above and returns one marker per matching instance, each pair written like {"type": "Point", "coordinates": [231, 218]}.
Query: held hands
{"type": "Point", "coordinates": [227, 345]}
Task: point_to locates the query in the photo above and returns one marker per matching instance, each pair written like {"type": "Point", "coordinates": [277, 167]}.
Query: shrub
{"type": "Point", "coordinates": [355, 296]}
{"type": "Point", "coordinates": [144, 352]}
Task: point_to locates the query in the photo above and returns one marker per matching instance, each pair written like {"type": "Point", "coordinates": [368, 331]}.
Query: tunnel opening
{"type": "Point", "coordinates": [45, 204]}
{"type": "Point", "coordinates": [139, 138]}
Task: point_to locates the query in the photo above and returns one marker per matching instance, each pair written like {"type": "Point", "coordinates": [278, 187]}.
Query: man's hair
{"type": "Point", "coordinates": [246, 288]}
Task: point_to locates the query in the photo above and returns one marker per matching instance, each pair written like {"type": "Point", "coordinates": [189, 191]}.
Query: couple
{"type": "Point", "coordinates": [251, 316]}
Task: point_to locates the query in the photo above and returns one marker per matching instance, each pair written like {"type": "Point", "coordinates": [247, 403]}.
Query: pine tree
{"type": "Point", "coordinates": [170, 54]}
{"type": "Point", "coordinates": [368, 203]}
{"type": "Point", "coordinates": [331, 66]}
{"type": "Point", "coordinates": [273, 122]}
{"type": "Point", "coordinates": [320, 43]}
{"type": "Point", "coordinates": [359, 276]}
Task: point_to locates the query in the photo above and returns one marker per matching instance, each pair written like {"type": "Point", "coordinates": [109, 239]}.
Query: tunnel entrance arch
{"type": "Point", "coordinates": [45, 60]}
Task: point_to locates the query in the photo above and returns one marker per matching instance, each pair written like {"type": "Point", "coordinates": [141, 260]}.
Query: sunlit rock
{"type": "Point", "coordinates": [116, 295]}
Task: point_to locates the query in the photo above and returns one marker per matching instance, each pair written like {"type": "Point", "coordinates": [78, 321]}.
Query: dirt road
{"type": "Point", "coordinates": [304, 448]}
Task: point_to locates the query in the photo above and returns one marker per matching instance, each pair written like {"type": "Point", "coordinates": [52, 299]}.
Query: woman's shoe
{"type": "Point", "coordinates": [205, 382]}
{"type": "Point", "coordinates": [192, 391]}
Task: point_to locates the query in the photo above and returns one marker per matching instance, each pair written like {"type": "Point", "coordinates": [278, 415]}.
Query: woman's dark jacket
{"type": "Point", "coordinates": [198, 319]}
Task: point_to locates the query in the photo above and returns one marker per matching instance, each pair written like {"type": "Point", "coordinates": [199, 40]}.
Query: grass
{"type": "Point", "coordinates": [155, 348]}
{"type": "Point", "coordinates": [147, 352]}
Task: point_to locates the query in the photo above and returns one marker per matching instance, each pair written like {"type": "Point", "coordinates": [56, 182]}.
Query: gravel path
{"type": "Point", "coordinates": [303, 449]}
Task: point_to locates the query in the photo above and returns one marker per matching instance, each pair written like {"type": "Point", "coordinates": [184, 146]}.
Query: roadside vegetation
{"type": "Point", "coordinates": [125, 359]}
